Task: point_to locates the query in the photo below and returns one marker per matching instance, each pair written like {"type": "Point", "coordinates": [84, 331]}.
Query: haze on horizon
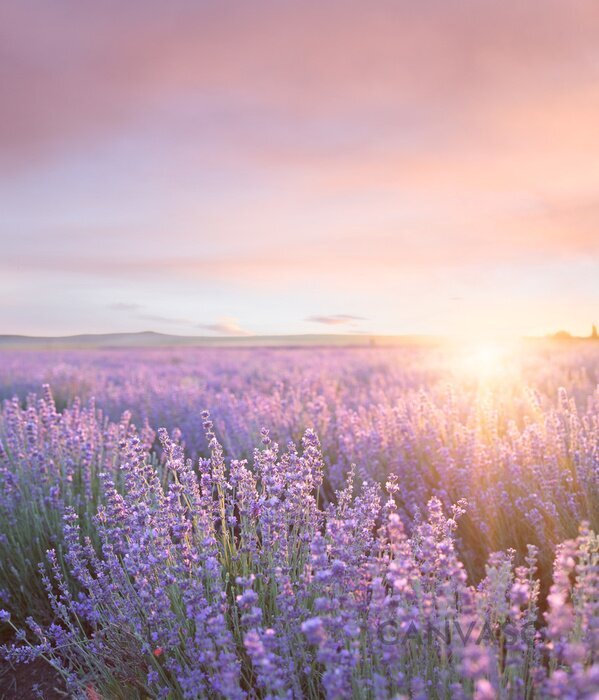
{"type": "Point", "coordinates": [282, 168]}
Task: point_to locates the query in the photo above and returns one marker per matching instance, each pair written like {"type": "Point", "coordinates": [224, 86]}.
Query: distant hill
{"type": "Point", "coordinates": [565, 335]}
{"type": "Point", "coordinates": [149, 339]}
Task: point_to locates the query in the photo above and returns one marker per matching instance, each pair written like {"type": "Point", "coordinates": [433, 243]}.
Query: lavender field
{"type": "Point", "coordinates": [402, 522]}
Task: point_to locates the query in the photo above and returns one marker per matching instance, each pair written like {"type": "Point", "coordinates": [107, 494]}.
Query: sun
{"type": "Point", "coordinates": [486, 359]}
{"type": "Point", "coordinates": [483, 360]}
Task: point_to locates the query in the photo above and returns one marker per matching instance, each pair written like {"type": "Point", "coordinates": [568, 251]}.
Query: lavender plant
{"type": "Point", "coordinates": [432, 546]}
{"type": "Point", "coordinates": [521, 449]}
{"type": "Point", "coordinates": [236, 580]}
{"type": "Point", "coordinates": [50, 461]}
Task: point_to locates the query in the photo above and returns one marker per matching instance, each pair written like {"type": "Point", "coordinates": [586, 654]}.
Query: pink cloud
{"type": "Point", "coordinates": [225, 326]}
{"type": "Point", "coordinates": [335, 319]}
{"type": "Point", "coordinates": [79, 73]}
{"type": "Point", "coordinates": [341, 145]}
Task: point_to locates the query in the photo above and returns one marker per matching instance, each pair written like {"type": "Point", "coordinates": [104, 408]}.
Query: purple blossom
{"type": "Point", "coordinates": [191, 563]}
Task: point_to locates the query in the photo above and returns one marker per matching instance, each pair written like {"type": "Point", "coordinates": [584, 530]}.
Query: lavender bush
{"type": "Point", "coordinates": [233, 581]}
{"type": "Point", "coordinates": [438, 544]}
{"type": "Point", "coordinates": [50, 461]}
{"type": "Point", "coordinates": [521, 446]}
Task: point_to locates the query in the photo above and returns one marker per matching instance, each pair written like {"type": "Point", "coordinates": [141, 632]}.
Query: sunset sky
{"type": "Point", "coordinates": [252, 167]}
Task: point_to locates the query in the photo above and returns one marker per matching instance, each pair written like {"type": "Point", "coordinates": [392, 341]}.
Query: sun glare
{"type": "Point", "coordinates": [484, 361]}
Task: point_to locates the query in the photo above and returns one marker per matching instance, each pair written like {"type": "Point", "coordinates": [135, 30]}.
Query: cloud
{"type": "Point", "coordinates": [457, 239]}
{"type": "Point", "coordinates": [367, 70]}
{"type": "Point", "coordinates": [409, 133]}
{"type": "Point", "coordinates": [334, 320]}
{"type": "Point", "coordinates": [156, 318]}
{"type": "Point", "coordinates": [224, 326]}
{"type": "Point", "coordinates": [164, 319]}
{"type": "Point", "coordinates": [122, 306]}
{"type": "Point", "coordinates": [317, 150]}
